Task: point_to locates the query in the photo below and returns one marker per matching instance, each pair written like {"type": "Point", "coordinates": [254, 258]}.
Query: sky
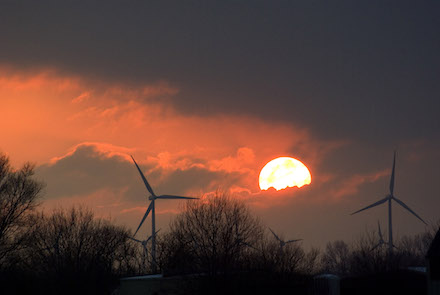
{"type": "Point", "coordinates": [204, 93]}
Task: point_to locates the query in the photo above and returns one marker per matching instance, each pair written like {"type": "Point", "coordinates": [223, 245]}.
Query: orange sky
{"type": "Point", "coordinates": [62, 123]}
{"type": "Point", "coordinates": [50, 117]}
{"type": "Point", "coordinates": [47, 115]}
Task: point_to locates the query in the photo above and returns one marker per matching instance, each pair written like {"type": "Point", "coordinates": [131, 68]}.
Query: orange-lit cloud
{"type": "Point", "coordinates": [82, 135]}
{"type": "Point", "coordinates": [102, 149]}
{"type": "Point", "coordinates": [49, 114]}
{"type": "Point", "coordinates": [351, 185]}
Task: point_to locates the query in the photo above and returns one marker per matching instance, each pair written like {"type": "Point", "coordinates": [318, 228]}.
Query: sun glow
{"type": "Point", "coordinates": [284, 172]}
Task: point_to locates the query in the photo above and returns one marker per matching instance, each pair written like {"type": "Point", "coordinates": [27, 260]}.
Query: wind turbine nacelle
{"type": "Point", "coordinates": [151, 198]}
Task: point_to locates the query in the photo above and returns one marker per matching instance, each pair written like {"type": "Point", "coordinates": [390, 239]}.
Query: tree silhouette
{"type": "Point", "coordinates": [19, 193]}
{"type": "Point", "coordinates": [74, 252]}
{"type": "Point", "coordinates": [211, 235]}
{"type": "Point", "coordinates": [336, 258]}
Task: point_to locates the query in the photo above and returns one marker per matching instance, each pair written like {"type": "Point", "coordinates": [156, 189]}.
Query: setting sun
{"type": "Point", "coordinates": [284, 172]}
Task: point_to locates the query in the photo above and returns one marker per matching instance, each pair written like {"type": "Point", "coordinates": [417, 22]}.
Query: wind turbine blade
{"type": "Point", "coordinates": [145, 216]}
{"type": "Point", "coordinates": [372, 249]}
{"type": "Point", "coordinates": [392, 175]}
{"type": "Point", "coordinates": [136, 240]}
{"type": "Point", "coordinates": [372, 205]}
{"type": "Point", "coordinates": [249, 245]}
{"type": "Point", "coordinates": [380, 232]}
{"type": "Point", "coordinates": [291, 241]}
{"type": "Point", "coordinates": [407, 208]}
{"type": "Point", "coordinates": [150, 237]}
{"type": "Point", "coordinates": [275, 235]}
{"type": "Point", "coordinates": [174, 197]}
{"type": "Point", "coordinates": [143, 178]}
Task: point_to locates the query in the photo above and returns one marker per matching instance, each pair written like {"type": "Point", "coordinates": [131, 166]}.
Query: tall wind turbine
{"type": "Point", "coordinates": [151, 208]}
{"type": "Point", "coordinates": [389, 198]}
{"type": "Point", "coordinates": [282, 242]}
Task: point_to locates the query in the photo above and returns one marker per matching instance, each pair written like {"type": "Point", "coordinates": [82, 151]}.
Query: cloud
{"type": "Point", "coordinates": [104, 202]}
{"type": "Point", "coordinates": [245, 156]}
{"type": "Point", "coordinates": [135, 209]}
{"type": "Point", "coordinates": [250, 65]}
{"type": "Point", "coordinates": [102, 150]}
{"type": "Point", "coordinates": [82, 97]}
{"type": "Point", "coordinates": [351, 185]}
{"type": "Point", "coordinates": [103, 177]}
{"type": "Point", "coordinates": [167, 144]}
{"type": "Point", "coordinates": [120, 115]}
{"type": "Point", "coordinates": [87, 168]}
{"type": "Point", "coordinates": [84, 135]}
{"type": "Point", "coordinates": [144, 209]}
{"type": "Point", "coordinates": [90, 167]}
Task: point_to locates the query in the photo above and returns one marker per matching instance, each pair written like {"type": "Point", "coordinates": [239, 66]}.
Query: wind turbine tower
{"type": "Point", "coordinates": [151, 208]}
{"type": "Point", "coordinates": [390, 197]}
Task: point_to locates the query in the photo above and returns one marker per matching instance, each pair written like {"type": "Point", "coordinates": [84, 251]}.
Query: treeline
{"type": "Point", "coordinates": [70, 251]}
{"type": "Point", "coordinates": [363, 257]}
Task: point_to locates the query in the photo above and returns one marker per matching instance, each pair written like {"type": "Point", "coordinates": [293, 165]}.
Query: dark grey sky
{"type": "Point", "coordinates": [359, 69]}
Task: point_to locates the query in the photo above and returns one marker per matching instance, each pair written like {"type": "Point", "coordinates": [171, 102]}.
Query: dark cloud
{"type": "Point", "coordinates": [87, 170]}
{"type": "Point", "coordinates": [348, 70]}
{"type": "Point", "coordinates": [196, 179]}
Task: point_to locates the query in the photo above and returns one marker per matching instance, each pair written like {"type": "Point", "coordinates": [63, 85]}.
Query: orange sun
{"type": "Point", "coordinates": [284, 172]}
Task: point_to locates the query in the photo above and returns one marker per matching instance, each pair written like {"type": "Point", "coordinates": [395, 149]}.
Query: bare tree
{"type": "Point", "coordinates": [368, 256]}
{"type": "Point", "coordinates": [336, 258]}
{"type": "Point", "coordinates": [309, 264]}
{"type": "Point", "coordinates": [413, 249]}
{"type": "Point", "coordinates": [71, 250]}
{"type": "Point", "coordinates": [289, 260]}
{"type": "Point", "coordinates": [211, 235]}
{"type": "Point", "coordinates": [18, 197]}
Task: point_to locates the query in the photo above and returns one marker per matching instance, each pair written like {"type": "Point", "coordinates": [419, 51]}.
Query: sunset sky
{"type": "Point", "coordinates": [204, 93]}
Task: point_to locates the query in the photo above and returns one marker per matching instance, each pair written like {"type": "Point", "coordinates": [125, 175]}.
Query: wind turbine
{"type": "Point", "coordinates": [381, 240]}
{"type": "Point", "coordinates": [389, 198]}
{"type": "Point", "coordinates": [241, 242]}
{"type": "Point", "coordinates": [144, 243]}
{"type": "Point", "coordinates": [151, 208]}
{"type": "Point", "coordinates": [282, 242]}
